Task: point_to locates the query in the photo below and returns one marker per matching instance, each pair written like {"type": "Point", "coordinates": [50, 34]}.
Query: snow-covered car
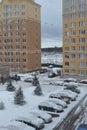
{"type": "Point", "coordinates": [70, 80]}
{"type": "Point", "coordinates": [31, 120]}
{"type": "Point", "coordinates": [28, 79]}
{"type": "Point", "coordinates": [58, 102]}
{"type": "Point", "coordinates": [15, 125]}
{"type": "Point", "coordinates": [43, 115]}
{"type": "Point", "coordinates": [61, 97]}
{"type": "Point", "coordinates": [73, 89]}
{"type": "Point", "coordinates": [69, 95]}
{"type": "Point", "coordinates": [50, 106]}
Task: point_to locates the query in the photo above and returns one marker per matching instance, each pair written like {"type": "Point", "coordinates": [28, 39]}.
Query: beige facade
{"type": "Point", "coordinates": [75, 38]}
{"type": "Point", "coordinates": [20, 35]}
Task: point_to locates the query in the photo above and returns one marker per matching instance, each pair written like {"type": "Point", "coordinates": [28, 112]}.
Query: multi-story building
{"type": "Point", "coordinates": [75, 38]}
{"type": "Point", "coordinates": [20, 35]}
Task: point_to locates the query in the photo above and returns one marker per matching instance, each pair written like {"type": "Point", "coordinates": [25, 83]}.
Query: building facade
{"type": "Point", "coordinates": [20, 35]}
{"type": "Point", "coordinates": [75, 38]}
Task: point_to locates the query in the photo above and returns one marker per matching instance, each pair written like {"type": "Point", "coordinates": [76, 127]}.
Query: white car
{"type": "Point", "coordinates": [43, 115]}
{"type": "Point", "coordinates": [60, 96]}
{"type": "Point", "coordinates": [50, 106]}
{"type": "Point", "coordinates": [15, 125]}
{"type": "Point", "coordinates": [32, 120]}
{"type": "Point", "coordinates": [58, 102]}
{"type": "Point", "coordinates": [69, 95]}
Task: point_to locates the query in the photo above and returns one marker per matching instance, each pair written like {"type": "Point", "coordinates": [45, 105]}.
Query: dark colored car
{"type": "Point", "coordinates": [82, 127]}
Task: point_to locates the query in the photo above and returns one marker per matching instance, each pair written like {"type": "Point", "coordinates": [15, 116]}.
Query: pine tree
{"type": "Point", "coordinates": [2, 105]}
{"type": "Point", "coordinates": [10, 87]}
{"type": "Point", "coordinates": [19, 97]}
{"type": "Point", "coordinates": [38, 90]}
{"type": "Point", "coordinates": [35, 81]}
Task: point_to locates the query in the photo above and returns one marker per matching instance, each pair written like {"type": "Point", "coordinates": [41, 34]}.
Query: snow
{"type": "Point", "coordinates": [12, 111]}
{"type": "Point", "coordinates": [15, 125]}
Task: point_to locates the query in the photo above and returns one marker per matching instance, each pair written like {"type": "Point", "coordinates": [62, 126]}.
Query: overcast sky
{"type": "Point", "coordinates": [51, 18]}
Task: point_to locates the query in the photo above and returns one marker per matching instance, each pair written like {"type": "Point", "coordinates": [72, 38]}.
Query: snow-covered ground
{"type": "Point", "coordinates": [12, 111]}
{"type": "Point", "coordinates": [52, 57]}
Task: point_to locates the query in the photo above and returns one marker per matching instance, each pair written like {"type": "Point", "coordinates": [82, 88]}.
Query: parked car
{"type": "Point", "coordinates": [15, 125]}
{"type": "Point", "coordinates": [43, 71]}
{"type": "Point", "coordinates": [70, 80]}
{"type": "Point", "coordinates": [28, 79]}
{"type": "Point", "coordinates": [32, 120]}
{"type": "Point", "coordinates": [82, 127]}
{"type": "Point", "coordinates": [73, 89]}
{"type": "Point", "coordinates": [83, 81]}
{"type": "Point", "coordinates": [60, 96]}
{"type": "Point", "coordinates": [50, 106]}
{"type": "Point", "coordinates": [70, 94]}
{"type": "Point", "coordinates": [58, 102]}
{"type": "Point", "coordinates": [43, 115]}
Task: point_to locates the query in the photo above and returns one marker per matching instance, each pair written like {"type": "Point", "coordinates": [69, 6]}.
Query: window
{"type": "Point", "coordinates": [23, 13]}
{"type": "Point", "coordinates": [73, 48]}
{"type": "Point", "coordinates": [82, 15]}
{"type": "Point", "coordinates": [66, 10]}
{"type": "Point", "coordinates": [73, 8]}
{"type": "Point", "coordinates": [66, 17]}
{"type": "Point", "coordinates": [16, 7]}
{"type": "Point", "coordinates": [73, 40]}
{"type": "Point", "coordinates": [16, 20]}
{"type": "Point", "coordinates": [82, 7]}
{"type": "Point", "coordinates": [73, 16]}
{"type": "Point", "coordinates": [73, 64]}
{"type": "Point", "coordinates": [66, 71]}
{"type": "Point", "coordinates": [67, 63]}
{"type": "Point", "coordinates": [67, 48]}
{"type": "Point", "coordinates": [66, 33]}
{"type": "Point", "coordinates": [17, 34]}
{"type": "Point", "coordinates": [81, 31]}
{"type": "Point", "coordinates": [73, 56]}
{"type": "Point", "coordinates": [82, 72]}
{"type": "Point", "coordinates": [82, 23]}
{"type": "Point", "coordinates": [73, 24]}
{"type": "Point", "coordinates": [73, 1]}
{"type": "Point", "coordinates": [82, 48]}
{"type": "Point", "coordinates": [73, 71]}
{"type": "Point", "coordinates": [67, 41]}
{"type": "Point", "coordinates": [24, 40]}
{"type": "Point", "coordinates": [17, 40]}
{"type": "Point", "coordinates": [24, 27]}
{"type": "Point", "coordinates": [16, 13]}
{"type": "Point", "coordinates": [73, 32]}
{"type": "Point", "coordinates": [23, 6]}
{"type": "Point", "coordinates": [66, 2]}
{"type": "Point", "coordinates": [82, 40]}
{"type": "Point", "coordinates": [66, 56]}
{"type": "Point", "coordinates": [82, 56]}
{"type": "Point", "coordinates": [17, 28]}
{"type": "Point", "coordinates": [66, 25]}
{"type": "Point", "coordinates": [82, 64]}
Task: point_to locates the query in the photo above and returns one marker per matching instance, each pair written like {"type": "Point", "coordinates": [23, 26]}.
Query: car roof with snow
{"type": "Point", "coordinates": [15, 125]}
{"type": "Point", "coordinates": [42, 114]}
{"type": "Point", "coordinates": [58, 101]}
{"type": "Point", "coordinates": [31, 119]}
{"type": "Point", "coordinates": [50, 104]}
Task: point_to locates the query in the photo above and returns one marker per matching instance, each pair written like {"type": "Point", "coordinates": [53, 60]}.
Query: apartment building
{"type": "Point", "coordinates": [20, 35]}
{"type": "Point", "coordinates": [75, 38]}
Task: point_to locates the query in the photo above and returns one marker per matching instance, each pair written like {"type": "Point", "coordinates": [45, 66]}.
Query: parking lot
{"type": "Point", "coordinates": [56, 107]}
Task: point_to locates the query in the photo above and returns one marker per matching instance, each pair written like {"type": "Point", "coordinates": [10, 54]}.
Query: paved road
{"type": "Point", "coordinates": [73, 118]}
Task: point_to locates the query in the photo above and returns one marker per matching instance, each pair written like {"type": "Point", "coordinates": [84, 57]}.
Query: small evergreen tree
{"type": "Point", "coordinates": [19, 97]}
{"type": "Point", "coordinates": [38, 90]}
{"type": "Point", "coordinates": [35, 81]}
{"type": "Point", "coordinates": [2, 105]}
{"type": "Point", "coordinates": [10, 87]}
